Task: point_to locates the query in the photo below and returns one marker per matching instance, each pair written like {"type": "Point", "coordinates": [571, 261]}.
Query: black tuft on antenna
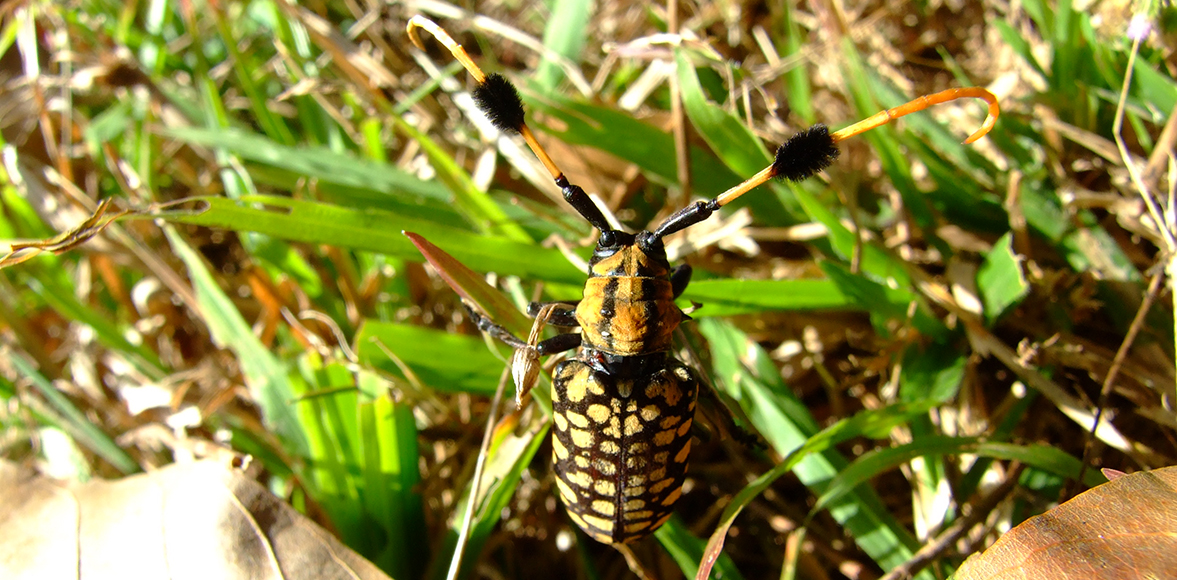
{"type": "Point", "coordinates": [500, 102]}
{"type": "Point", "coordinates": [804, 154]}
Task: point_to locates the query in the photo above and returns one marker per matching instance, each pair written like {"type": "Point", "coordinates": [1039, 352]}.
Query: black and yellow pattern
{"type": "Point", "coordinates": [628, 307]}
{"type": "Point", "coordinates": [621, 446]}
{"type": "Point", "coordinates": [623, 407]}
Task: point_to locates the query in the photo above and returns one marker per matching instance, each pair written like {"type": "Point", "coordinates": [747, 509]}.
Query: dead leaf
{"type": "Point", "coordinates": [197, 520]}
{"type": "Point", "coordinates": [1126, 528]}
{"type": "Point", "coordinates": [22, 251]}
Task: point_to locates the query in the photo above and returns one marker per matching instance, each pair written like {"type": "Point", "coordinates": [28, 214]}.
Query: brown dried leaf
{"type": "Point", "coordinates": [1126, 528]}
{"type": "Point", "coordinates": [23, 251]}
{"type": "Point", "coordinates": [196, 520]}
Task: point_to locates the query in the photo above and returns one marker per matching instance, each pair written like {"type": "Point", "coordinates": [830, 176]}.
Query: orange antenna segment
{"type": "Point", "coordinates": [916, 105]}
{"type": "Point", "coordinates": [748, 185]}
{"type": "Point", "coordinates": [444, 38]}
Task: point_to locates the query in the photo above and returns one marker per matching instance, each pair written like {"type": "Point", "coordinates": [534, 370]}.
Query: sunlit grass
{"type": "Point", "coordinates": [898, 330]}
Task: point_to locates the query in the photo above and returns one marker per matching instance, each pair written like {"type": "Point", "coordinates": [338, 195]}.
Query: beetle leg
{"type": "Point", "coordinates": [725, 420]}
{"type": "Point", "coordinates": [680, 276]}
{"type": "Point", "coordinates": [525, 363]}
{"type": "Point", "coordinates": [494, 329]}
{"type": "Point", "coordinates": [563, 314]}
{"type": "Point", "coordinates": [556, 344]}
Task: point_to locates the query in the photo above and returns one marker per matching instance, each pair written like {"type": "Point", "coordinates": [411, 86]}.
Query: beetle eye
{"type": "Point", "coordinates": [608, 238]}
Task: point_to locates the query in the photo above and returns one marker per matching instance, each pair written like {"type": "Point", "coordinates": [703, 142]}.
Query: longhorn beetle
{"type": "Point", "coordinates": [623, 407]}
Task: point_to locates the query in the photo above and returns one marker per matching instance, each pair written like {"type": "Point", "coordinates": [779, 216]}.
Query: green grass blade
{"type": "Point", "coordinates": [735, 296]}
{"type": "Point", "coordinates": [876, 462]}
{"type": "Point", "coordinates": [72, 420]}
{"type": "Point", "coordinates": [272, 124]}
{"type": "Point", "coordinates": [564, 35]}
{"type": "Point", "coordinates": [797, 86]}
{"type": "Point", "coordinates": [264, 374]}
{"type": "Point", "coordinates": [509, 455]}
{"type": "Point", "coordinates": [376, 231]}
{"type": "Point", "coordinates": [476, 205]}
{"type": "Point", "coordinates": [687, 551]}
{"type": "Point", "coordinates": [65, 302]}
{"type": "Point", "coordinates": [430, 355]}
{"type": "Point", "coordinates": [1000, 280]}
{"type": "Point", "coordinates": [787, 426]}
{"type": "Point", "coordinates": [388, 434]}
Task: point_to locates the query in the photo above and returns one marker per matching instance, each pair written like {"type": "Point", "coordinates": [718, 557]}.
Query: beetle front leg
{"type": "Point", "coordinates": [563, 312]}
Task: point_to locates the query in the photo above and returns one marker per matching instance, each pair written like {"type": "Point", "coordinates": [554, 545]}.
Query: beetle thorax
{"type": "Point", "coordinates": [628, 307]}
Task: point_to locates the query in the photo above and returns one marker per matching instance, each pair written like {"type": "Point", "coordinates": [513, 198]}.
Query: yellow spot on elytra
{"type": "Point", "coordinates": [664, 437]}
{"type": "Point", "coordinates": [661, 485]}
{"type": "Point", "coordinates": [658, 473]}
{"type": "Point", "coordinates": [673, 497]}
{"type": "Point", "coordinates": [662, 520]}
{"type": "Point", "coordinates": [579, 478]}
{"type": "Point", "coordinates": [605, 487]}
{"type": "Point", "coordinates": [581, 438]}
{"type": "Point", "coordinates": [604, 508]}
{"type": "Point", "coordinates": [635, 491]}
{"type": "Point", "coordinates": [560, 421]}
{"type": "Point", "coordinates": [598, 523]}
{"type": "Point", "coordinates": [649, 413]}
{"type": "Point", "coordinates": [638, 447]}
{"type": "Point", "coordinates": [595, 388]}
{"type": "Point", "coordinates": [672, 394]}
{"type": "Point", "coordinates": [604, 467]}
{"type": "Point", "coordinates": [637, 480]}
{"type": "Point", "coordinates": [633, 426]}
{"type": "Point", "coordinates": [575, 388]}
{"type": "Point", "coordinates": [598, 412]}
{"type": "Point", "coordinates": [661, 457]}
{"type": "Point", "coordinates": [670, 421]}
{"type": "Point", "coordinates": [610, 447]}
{"type": "Point", "coordinates": [684, 453]}
{"type": "Point", "coordinates": [614, 428]}
{"type": "Point", "coordinates": [566, 492]}
{"type": "Point", "coordinates": [686, 426]}
{"type": "Point", "coordinates": [636, 527]}
{"type": "Point", "coordinates": [558, 449]}
{"type": "Point", "coordinates": [639, 515]}
{"type": "Point", "coordinates": [577, 419]}
{"type": "Point", "coordinates": [635, 504]}
{"type": "Point", "coordinates": [579, 520]}
{"type": "Point", "coordinates": [581, 461]}
{"type": "Point", "coordinates": [635, 462]}
{"type": "Point", "coordinates": [631, 407]}
{"type": "Point", "coordinates": [655, 389]}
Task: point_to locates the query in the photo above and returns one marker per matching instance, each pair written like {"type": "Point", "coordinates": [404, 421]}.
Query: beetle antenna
{"type": "Point", "coordinates": [815, 148]}
{"type": "Point", "coordinates": [498, 99]}
{"type": "Point", "coordinates": [495, 95]}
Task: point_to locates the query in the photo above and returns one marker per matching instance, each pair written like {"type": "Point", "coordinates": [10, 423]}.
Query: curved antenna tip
{"type": "Point", "coordinates": [414, 23]}
{"type": "Point", "coordinates": [990, 117]}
